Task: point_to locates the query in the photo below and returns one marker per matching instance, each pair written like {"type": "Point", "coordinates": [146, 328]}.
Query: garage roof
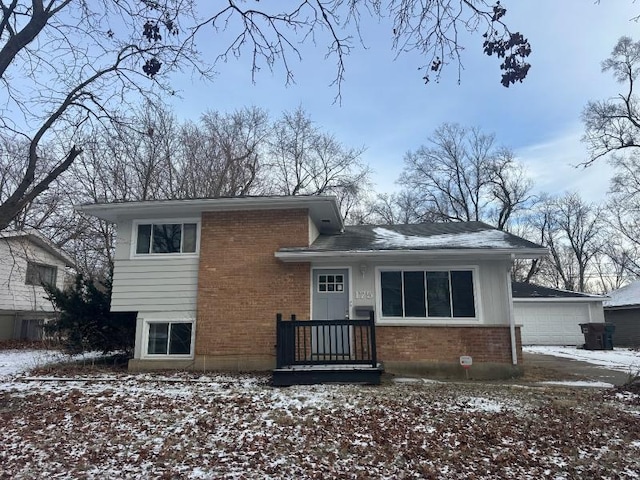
{"type": "Point", "coordinates": [625, 297]}
{"type": "Point", "coordinates": [531, 291]}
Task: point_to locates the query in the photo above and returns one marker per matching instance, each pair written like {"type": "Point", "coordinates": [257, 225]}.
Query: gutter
{"type": "Point", "coordinates": [512, 321]}
{"type": "Point", "coordinates": [308, 256]}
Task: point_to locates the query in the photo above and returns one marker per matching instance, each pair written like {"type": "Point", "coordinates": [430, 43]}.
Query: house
{"type": "Point", "coordinates": [549, 316]}
{"type": "Point", "coordinates": [623, 311]}
{"type": "Point", "coordinates": [27, 260]}
{"type": "Point", "coordinates": [208, 277]}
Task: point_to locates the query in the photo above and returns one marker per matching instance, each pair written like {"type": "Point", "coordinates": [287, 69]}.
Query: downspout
{"type": "Point", "coordinates": [512, 320]}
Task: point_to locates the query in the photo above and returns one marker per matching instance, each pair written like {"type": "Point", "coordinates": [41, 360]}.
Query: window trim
{"type": "Point", "coordinates": [146, 322]}
{"type": "Point", "coordinates": [415, 321]}
{"type": "Point", "coordinates": [40, 264]}
{"type": "Point", "coordinates": [159, 221]}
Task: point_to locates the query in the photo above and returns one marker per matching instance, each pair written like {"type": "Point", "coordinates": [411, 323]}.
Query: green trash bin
{"type": "Point", "coordinates": [609, 330]}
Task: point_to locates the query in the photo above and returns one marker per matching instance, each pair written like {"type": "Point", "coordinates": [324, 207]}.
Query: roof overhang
{"type": "Point", "coordinates": [40, 241]}
{"type": "Point", "coordinates": [323, 210]}
{"type": "Point", "coordinates": [622, 307]}
{"type": "Point", "coordinates": [310, 255]}
{"type": "Point", "coordinates": [593, 298]}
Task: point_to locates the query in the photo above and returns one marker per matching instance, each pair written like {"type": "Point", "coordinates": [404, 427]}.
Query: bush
{"type": "Point", "coordinates": [85, 323]}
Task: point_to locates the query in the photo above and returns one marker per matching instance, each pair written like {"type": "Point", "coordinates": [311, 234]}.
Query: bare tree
{"type": "Point", "coordinates": [222, 155]}
{"type": "Point", "coordinates": [69, 65]}
{"type": "Point", "coordinates": [304, 160]}
{"type": "Point", "coordinates": [571, 229]}
{"type": "Point", "coordinates": [462, 176]}
{"type": "Point", "coordinates": [623, 219]}
{"type": "Point", "coordinates": [613, 125]}
{"type": "Point", "coordinates": [397, 208]}
{"type": "Point", "coordinates": [271, 34]}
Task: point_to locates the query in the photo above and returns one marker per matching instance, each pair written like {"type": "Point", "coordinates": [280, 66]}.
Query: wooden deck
{"type": "Point", "coordinates": [326, 351]}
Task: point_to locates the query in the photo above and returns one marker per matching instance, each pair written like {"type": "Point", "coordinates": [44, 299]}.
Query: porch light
{"type": "Point", "coordinates": [363, 269]}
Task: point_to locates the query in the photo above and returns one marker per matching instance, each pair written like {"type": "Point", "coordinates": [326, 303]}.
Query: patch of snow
{"type": "Point", "coordinates": [485, 238]}
{"type": "Point", "coordinates": [627, 295]}
{"type": "Point", "coordinates": [579, 383]}
{"type": "Point", "coordinates": [14, 362]}
{"type": "Point", "coordinates": [621, 359]}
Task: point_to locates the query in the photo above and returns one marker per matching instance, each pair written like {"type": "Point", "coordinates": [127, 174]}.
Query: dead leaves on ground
{"type": "Point", "coordinates": [219, 428]}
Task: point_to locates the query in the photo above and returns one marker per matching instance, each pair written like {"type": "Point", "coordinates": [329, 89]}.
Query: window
{"type": "Point", "coordinates": [169, 338]}
{"type": "Point", "coordinates": [38, 273]}
{"type": "Point", "coordinates": [162, 238]}
{"type": "Point", "coordinates": [331, 283]}
{"type": "Point", "coordinates": [427, 294]}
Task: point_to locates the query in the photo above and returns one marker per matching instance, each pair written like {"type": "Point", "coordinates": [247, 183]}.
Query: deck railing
{"type": "Point", "coordinates": [325, 342]}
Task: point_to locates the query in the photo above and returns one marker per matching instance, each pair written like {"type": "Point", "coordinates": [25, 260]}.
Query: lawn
{"type": "Point", "coordinates": [179, 425]}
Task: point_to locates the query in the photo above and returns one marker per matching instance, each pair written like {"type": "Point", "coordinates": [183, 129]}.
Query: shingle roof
{"type": "Point", "coordinates": [424, 236]}
{"type": "Point", "coordinates": [529, 290]}
{"type": "Point", "coordinates": [627, 296]}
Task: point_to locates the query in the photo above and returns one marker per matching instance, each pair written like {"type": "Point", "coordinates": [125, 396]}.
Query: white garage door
{"type": "Point", "coordinates": [551, 323]}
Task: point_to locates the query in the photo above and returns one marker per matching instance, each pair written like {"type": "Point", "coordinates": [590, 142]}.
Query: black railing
{"type": "Point", "coordinates": [325, 342]}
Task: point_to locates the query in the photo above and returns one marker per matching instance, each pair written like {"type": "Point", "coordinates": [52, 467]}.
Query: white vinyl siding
{"type": "Point", "coordinates": [149, 285]}
{"type": "Point", "coordinates": [154, 282]}
{"type": "Point", "coordinates": [15, 293]}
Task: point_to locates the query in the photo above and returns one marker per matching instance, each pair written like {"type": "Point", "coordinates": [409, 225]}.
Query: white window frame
{"type": "Point", "coordinates": [414, 321]}
{"type": "Point", "coordinates": [160, 221]}
{"type": "Point", "coordinates": [37, 265]}
{"type": "Point", "coordinates": [146, 322]}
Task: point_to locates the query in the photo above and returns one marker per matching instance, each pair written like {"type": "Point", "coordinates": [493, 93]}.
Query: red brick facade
{"type": "Point", "coordinates": [241, 285]}
{"type": "Point", "coordinates": [486, 344]}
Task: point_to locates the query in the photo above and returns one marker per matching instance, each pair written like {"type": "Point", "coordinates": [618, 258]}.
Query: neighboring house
{"type": "Point", "coordinates": [207, 278]}
{"type": "Point", "coordinates": [623, 311]}
{"type": "Point", "coordinates": [549, 316]}
{"type": "Point", "coordinates": [27, 260]}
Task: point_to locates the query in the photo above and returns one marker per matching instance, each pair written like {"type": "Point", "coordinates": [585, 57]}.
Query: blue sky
{"type": "Point", "coordinates": [387, 108]}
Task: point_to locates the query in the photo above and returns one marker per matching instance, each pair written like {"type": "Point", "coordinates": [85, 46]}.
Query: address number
{"type": "Point", "coordinates": [363, 294]}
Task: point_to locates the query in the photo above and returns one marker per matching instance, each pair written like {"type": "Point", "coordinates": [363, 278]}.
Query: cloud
{"type": "Point", "coordinates": [554, 166]}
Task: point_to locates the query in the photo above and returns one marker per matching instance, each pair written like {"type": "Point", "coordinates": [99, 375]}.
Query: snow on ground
{"type": "Point", "coordinates": [13, 362]}
{"type": "Point", "coordinates": [579, 383]}
{"type": "Point", "coordinates": [621, 359]}
{"type": "Point", "coordinates": [210, 426]}
{"type": "Point", "coordinates": [235, 427]}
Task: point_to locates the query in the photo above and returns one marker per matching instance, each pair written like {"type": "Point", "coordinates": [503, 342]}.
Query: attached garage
{"type": "Point", "coordinates": [552, 317]}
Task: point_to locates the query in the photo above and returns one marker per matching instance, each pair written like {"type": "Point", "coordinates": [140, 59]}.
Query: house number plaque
{"type": "Point", "coordinates": [363, 294]}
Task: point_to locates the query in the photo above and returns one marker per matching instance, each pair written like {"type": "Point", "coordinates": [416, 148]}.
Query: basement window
{"type": "Point", "coordinates": [169, 338]}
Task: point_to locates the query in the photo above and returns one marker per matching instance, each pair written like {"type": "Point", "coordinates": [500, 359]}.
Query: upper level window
{"type": "Point", "coordinates": [39, 273]}
{"type": "Point", "coordinates": [427, 294]}
{"type": "Point", "coordinates": [166, 238]}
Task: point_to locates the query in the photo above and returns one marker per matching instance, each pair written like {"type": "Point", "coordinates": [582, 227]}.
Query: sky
{"type": "Point", "coordinates": [387, 108]}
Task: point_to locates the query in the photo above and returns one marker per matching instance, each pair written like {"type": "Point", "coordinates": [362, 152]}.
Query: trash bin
{"type": "Point", "coordinates": [609, 330]}
{"type": "Point", "coordinates": [598, 336]}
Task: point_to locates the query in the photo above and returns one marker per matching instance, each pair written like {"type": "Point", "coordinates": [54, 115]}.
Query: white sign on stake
{"type": "Point", "coordinates": [466, 361]}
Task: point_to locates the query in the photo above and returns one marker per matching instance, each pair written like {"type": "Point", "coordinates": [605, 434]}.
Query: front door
{"type": "Point", "coordinates": [331, 302]}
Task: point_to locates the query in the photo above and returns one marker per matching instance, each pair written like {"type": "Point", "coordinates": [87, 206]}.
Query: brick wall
{"type": "Point", "coordinates": [241, 285]}
{"type": "Point", "coordinates": [490, 344]}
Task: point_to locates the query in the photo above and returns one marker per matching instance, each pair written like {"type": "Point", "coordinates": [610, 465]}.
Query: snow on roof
{"type": "Point", "coordinates": [625, 296]}
{"type": "Point", "coordinates": [484, 238]}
